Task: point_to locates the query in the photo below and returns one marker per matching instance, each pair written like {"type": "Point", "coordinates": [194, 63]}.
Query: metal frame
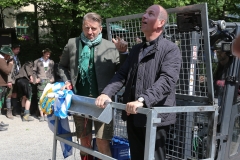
{"type": "Point", "coordinates": [152, 120]}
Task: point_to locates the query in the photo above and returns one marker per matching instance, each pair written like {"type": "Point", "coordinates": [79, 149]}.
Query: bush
{"type": "Point", "coordinates": [32, 51]}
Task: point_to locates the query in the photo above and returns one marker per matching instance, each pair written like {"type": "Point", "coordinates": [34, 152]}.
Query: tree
{"type": "Point", "coordinates": [64, 17]}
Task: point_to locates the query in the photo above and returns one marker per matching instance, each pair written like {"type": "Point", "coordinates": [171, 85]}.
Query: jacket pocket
{"type": "Point", "coordinates": [108, 62]}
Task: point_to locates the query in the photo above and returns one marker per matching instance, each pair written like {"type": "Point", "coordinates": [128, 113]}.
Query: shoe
{"type": "Point", "coordinates": [22, 111]}
{"type": "Point", "coordinates": [41, 119]}
{"type": "Point", "coordinates": [2, 128]}
{"type": "Point", "coordinates": [27, 117]}
{"type": "Point", "coordinates": [9, 113]}
{"type": "Point", "coordinates": [15, 113]}
{"type": "Point", "coordinates": [3, 124]}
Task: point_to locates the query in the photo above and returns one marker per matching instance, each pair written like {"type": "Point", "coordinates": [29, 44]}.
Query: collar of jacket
{"type": "Point", "coordinates": [15, 57]}
{"type": "Point", "coordinates": [155, 46]}
{"type": "Point", "coordinates": [41, 59]}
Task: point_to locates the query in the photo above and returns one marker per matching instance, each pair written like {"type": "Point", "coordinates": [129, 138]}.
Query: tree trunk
{"type": "Point", "coordinates": [36, 34]}
{"type": "Point", "coordinates": [1, 18]}
{"type": "Point", "coordinates": [75, 30]}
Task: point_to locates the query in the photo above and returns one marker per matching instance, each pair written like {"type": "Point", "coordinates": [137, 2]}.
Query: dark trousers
{"type": "Point", "coordinates": [136, 137]}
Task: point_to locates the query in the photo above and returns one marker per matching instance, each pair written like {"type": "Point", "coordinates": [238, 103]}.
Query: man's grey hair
{"type": "Point", "coordinates": [94, 17]}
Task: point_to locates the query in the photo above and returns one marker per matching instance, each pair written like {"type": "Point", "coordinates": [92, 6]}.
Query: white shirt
{"type": "Point", "coordinates": [45, 62]}
{"type": "Point", "coordinates": [16, 60]}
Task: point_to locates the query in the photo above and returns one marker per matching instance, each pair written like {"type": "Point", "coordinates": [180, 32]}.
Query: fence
{"type": "Point", "coordinates": [191, 137]}
{"type": "Point", "coordinates": [186, 139]}
{"type": "Point", "coordinates": [183, 133]}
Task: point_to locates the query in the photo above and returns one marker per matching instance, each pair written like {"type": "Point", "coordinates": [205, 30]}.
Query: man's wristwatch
{"type": "Point", "coordinates": [141, 99]}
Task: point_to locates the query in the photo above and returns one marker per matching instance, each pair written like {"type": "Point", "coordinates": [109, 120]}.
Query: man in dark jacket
{"type": "Point", "coordinates": [150, 74]}
{"type": "Point", "coordinates": [236, 46]}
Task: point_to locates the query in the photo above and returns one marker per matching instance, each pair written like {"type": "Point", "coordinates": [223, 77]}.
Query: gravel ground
{"type": "Point", "coordinates": [29, 141]}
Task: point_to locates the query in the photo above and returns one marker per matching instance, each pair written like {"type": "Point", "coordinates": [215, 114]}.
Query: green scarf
{"type": "Point", "coordinates": [84, 56]}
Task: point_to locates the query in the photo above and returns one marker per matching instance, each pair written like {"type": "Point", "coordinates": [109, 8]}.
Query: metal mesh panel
{"type": "Point", "coordinates": [193, 70]}
{"type": "Point", "coordinates": [120, 129]}
{"type": "Point", "coordinates": [119, 126]}
{"type": "Point", "coordinates": [186, 139]}
{"type": "Point", "coordinates": [235, 138]}
{"type": "Point", "coordinates": [129, 30]}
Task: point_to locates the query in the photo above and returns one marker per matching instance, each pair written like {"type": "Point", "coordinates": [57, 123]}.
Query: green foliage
{"type": "Point", "coordinates": [64, 17]}
{"type": "Point", "coordinates": [32, 51]}
{"type": "Point", "coordinates": [113, 8]}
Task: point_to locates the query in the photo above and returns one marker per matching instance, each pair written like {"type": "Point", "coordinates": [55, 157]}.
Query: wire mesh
{"type": "Point", "coordinates": [235, 138]}
{"type": "Point", "coordinates": [186, 139]}
{"type": "Point", "coordinates": [129, 30]}
{"type": "Point", "coordinates": [120, 127]}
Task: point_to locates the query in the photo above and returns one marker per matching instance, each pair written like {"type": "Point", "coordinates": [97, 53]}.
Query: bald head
{"type": "Point", "coordinates": [163, 15]}
{"type": "Point", "coordinates": [153, 21]}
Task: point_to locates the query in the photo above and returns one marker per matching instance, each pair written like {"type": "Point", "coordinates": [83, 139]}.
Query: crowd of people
{"type": "Point", "coordinates": [16, 82]}
{"type": "Point", "coordinates": [95, 67]}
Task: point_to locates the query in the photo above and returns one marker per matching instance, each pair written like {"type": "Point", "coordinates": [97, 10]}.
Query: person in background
{"type": "Point", "coordinates": [150, 74]}
{"type": "Point", "coordinates": [236, 46]}
{"type": "Point", "coordinates": [23, 82]}
{"type": "Point", "coordinates": [87, 64]}
{"type": "Point", "coordinates": [6, 64]}
{"type": "Point", "coordinates": [224, 61]}
{"type": "Point", "coordinates": [57, 77]}
{"type": "Point", "coordinates": [11, 99]}
{"type": "Point", "coordinates": [44, 72]}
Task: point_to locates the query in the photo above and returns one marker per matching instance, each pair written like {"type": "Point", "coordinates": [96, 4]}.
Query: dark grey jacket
{"type": "Point", "coordinates": [26, 71]}
{"type": "Point", "coordinates": [156, 76]}
{"type": "Point", "coordinates": [15, 70]}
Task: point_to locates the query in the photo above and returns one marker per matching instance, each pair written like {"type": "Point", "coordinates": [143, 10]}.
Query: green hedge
{"type": "Point", "coordinates": [32, 51]}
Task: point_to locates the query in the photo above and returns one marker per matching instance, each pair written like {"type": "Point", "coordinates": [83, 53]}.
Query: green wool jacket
{"type": "Point", "coordinates": [106, 60]}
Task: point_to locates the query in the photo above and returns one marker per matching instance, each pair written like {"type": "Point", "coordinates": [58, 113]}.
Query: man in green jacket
{"type": "Point", "coordinates": [88, 63]}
